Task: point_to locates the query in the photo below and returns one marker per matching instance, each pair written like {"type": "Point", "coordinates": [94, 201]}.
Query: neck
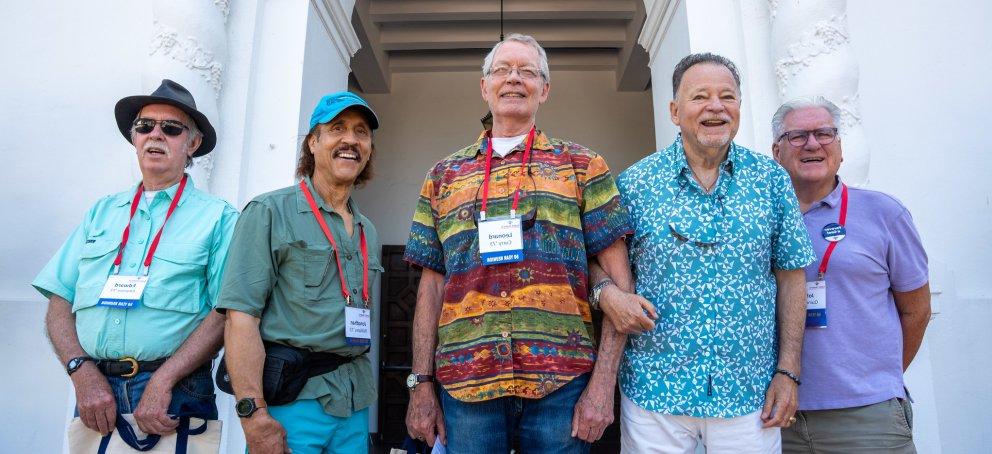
{"type": "Point", "coordinates": [704, 159]}
{"type": "Point", "coordinates": [334, 193]}
{"type": "Point", "coordinates": [809, 193]}
{"type": "Point", "coordinates": [159, 182]}
{"type": "Point", "coordinates": [505, 127]}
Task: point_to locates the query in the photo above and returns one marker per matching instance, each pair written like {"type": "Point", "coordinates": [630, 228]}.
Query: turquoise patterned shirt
{"type": "Point", "coordinates": [183, 280]}
{"type": "Point", "coordinates": [705, 261]}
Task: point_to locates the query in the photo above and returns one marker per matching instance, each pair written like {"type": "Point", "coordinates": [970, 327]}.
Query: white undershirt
{"type": "Point", "coordinates": [504, 145]}
{"type": "Point", "coordinates": [150, 195]}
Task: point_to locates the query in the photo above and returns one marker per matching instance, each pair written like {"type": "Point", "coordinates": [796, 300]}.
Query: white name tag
{"type": "Point", "coordinates": [816, 304]}
{"type": "Point", "coordinates": [357, 325]}
{"type": "Point", "coordinates": [501, 240]}
{"type": "Point", "coordinates": [122, 292]}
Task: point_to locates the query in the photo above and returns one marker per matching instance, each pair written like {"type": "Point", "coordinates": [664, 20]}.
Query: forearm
{"type": "Point", "coordinates": [430, 297]}
{"type": "Point", "coordinates": [914, 316]}
{"type": "Point", "coordinates": [791, 310]}
{"type": "Point", "coordinates": [244, 354]}
{"type": "Point", "coordinates": [60, 326]}
{"type": "Point", "coordinates": [197, 349]}
{"type": "Point", "coordinates": [612, 262]}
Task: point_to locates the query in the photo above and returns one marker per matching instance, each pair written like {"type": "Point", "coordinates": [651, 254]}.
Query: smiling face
{"type": "Point", "coordinates": [342, 148]}
{"type": "Point", "coordinates": [514, 97]}
{"type": "Point", "coordinates": [812, 163]}
{"type": "Point", "coordinates": [707, 107]}
{"type": "Point", "coordinates": [162, 158]}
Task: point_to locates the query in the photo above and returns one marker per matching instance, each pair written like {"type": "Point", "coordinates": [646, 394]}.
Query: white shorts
{"type": "Point", "coordinates": [648, 432]}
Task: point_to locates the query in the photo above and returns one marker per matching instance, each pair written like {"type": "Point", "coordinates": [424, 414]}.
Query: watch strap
{"type": "Point", "coordinates": [596, 291]}
{"type": "Point", "coordinates": [75, 363]}
{"type": "Point", "coordinates": [791, 375]}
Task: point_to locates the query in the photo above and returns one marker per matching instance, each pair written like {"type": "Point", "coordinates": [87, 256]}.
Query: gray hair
{"type": "Point", "coordinates": [194, 132]}
{"type": "Point", "coordinates": [694, 59]}
{"type": "Point", "coordinates": [487, 64]}
{"type": "Point", "coordinates": [778, 120]}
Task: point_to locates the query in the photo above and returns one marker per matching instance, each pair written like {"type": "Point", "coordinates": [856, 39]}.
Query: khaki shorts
{"type": "Point", "coordinates": [885, 427]}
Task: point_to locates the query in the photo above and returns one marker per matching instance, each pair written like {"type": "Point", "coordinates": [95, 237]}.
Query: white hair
{"type": "Point", "coordinates": [487, 64]}
{"type": "Point", "coordinates": [778, 120]}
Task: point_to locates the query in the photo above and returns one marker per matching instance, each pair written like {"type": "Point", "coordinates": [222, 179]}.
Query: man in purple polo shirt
{"type": "Point", "coordinates": [868, 297]}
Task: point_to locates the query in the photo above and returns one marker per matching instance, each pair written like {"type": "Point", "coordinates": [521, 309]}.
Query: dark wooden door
{"type": "Point", "coordinates": [399, 297]}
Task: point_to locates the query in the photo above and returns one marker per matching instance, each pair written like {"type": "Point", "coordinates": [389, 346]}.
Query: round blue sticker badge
{"type": "Point", "coordinates": [833, 232]}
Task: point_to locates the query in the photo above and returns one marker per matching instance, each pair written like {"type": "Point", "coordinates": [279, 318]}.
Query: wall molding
{"type": "Point", "coordinates": [657, 20]}
{"type": "Point", "coordinates": [337, 24]}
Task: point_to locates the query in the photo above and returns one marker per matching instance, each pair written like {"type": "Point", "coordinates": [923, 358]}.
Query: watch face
{"type": "Point", "coordinates": [411, 381]}
{"type": "Point", "coordinates": [74, 364]}
{"type": "Point", "coordinates": [245, 406]}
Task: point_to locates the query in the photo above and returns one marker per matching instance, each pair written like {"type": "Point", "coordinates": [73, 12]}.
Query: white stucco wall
{"type": "Point", "coordinates": [431, 115]}
{"type": "Point", "coordinates": [924, 97]}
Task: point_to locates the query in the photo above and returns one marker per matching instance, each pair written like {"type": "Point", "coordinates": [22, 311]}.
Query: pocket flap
{"type": "Point", "coordinates": [191, 254]}
{"type": "Point", "coordinates": [98, 248]}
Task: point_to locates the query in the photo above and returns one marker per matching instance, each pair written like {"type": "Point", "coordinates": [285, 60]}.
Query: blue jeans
{"type": "Point", "coordinates": [193, 394]}
{"type": "Point", "coordinates": [543, 425]}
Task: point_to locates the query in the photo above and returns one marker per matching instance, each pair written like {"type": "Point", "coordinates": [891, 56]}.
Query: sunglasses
{"type": "Point", "coordinates": [170, 128]}
{"type": "Point", "coordinates": [705, 237]}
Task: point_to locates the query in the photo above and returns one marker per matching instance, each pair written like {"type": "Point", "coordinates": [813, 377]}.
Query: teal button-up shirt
{"type": "Point", "coordinates": [183, 279]}
{"type": "Point", "coordinates": [705, 261]}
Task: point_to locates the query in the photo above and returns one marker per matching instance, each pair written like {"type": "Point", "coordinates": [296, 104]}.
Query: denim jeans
{"type": "Point", "coordinates": [193, 394]}
{"type": "Point", "coordinates": [542, 425]}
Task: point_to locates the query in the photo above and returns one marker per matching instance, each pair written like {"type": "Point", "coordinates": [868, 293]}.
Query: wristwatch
{"type": "Point", "coordinates": [75, 363]}
{"type": "Point", "coordinates": [597, 290]}
{"type": "Point", "coordinates": [413, 380]}
{"type": "Point", "coordinates": [248, 406]}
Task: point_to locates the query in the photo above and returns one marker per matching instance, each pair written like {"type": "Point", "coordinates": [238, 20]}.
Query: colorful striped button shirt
{"type": "Point", "coordinates": [518, 329]}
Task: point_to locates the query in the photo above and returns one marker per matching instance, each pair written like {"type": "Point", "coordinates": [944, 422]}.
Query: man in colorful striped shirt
{"type": "Point", "coordinates": [503, 230]}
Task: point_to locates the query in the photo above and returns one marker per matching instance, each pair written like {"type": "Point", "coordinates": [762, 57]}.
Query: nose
{"type": "Point", "coordinates": [714, 104]}
{"type": "Point", "coordinates": [811, 143]}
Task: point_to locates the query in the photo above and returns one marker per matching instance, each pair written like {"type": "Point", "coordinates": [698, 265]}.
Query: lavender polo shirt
{"type": "Point", "coordinates": [857, 359]}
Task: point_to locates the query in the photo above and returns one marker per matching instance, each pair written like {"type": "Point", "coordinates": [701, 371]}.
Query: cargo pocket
{"type": "Point", "coordinates": [316, 267]}
{"type": "Point", "coordinates": [176, 277]}
{"type": "Point", "coordinates": [96, 261]}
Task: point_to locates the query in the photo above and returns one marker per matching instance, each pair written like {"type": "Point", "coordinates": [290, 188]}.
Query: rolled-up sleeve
{"type": "Point", "coordinates": [250, 271]}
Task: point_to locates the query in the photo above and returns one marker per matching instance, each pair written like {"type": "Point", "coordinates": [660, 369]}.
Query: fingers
{"type": "Point", "coordinates": [646, 306]}
{"type": "Point", "coordinates": [441, 431]}
{"type": "Point", "coordinates": [766, 411]}
{"type": "Point", "coordinates": [106, 418]}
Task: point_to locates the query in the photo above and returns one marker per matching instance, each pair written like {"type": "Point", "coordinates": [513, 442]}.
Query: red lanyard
{"type": "Point", "coordinates": [158, 236]}
{"type": "Point", "coordinates": [833, 244]}
{"type": "Point", "coordinates": [489, 161]}
{"type": "Point", "coordinates": [334, 246]}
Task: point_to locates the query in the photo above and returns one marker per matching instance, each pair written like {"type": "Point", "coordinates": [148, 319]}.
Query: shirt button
{"type": "Point", "coordinates": [141, 241]}
{"type": "Point", "coordinates": [133, 265]}
{"type": "Point", "coordinates": [348, 256]}
{"type": "Point", "coordinates": [117, 321]}
{"type": "Point", "coordinates": [144, 216]}
{"type": "Point", "coordinates": [115, 354]}
{"type": "Point", "coordinates": [503, 294]}
{"type": "Point", "coordinates": [505, 334]}
{"type": "Point", "coordinates": [354, 291]}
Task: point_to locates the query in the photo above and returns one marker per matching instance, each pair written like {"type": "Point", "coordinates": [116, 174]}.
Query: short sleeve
{"type": "Point", "coordinates": [219, 247]}
{"type": "Point", "coordinates": [791, 246]}
{"type": "Point", "coordinates": [423, 247]}
{"type": "Point", "coordinates": [250, 270]}
{"type": "Point", "coordinates": [59, 275]}
{"type": "Point", "coordinates": [907, 261]}
{"type": "Point", "coordinates": [604, 218]}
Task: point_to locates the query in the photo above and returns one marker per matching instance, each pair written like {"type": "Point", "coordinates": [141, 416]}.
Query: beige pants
{"type": "Point", "coordinates": [885, 427]}
{"type": "Point", "coordinates": [648, 432]}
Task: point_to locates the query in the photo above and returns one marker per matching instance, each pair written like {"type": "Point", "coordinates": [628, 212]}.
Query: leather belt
{"type": "Point", "coordinates": [127, 366]}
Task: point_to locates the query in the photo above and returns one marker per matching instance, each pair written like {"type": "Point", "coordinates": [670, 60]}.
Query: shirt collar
{"type": "Point", "coordinates": [304, 207]}
{"type": "Point", "coordinates": [832, 199]}
{"type": "Point", "coordinates": [541, 142]}
{"type": "Point", "coordinates": [125, 198]}
{"type": "Point", "coordinates": [678, 165]}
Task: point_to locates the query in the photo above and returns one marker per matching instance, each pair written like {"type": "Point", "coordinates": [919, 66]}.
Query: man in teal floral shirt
{"type": "Point", "coordinates": [719, 248]}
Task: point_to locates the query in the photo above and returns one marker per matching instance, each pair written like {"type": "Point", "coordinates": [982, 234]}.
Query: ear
{"type": "Point", "coordinates": [195, 145]}
{"type": "Point", "coordinates": [673, 110]}
{"type": "Point", "coordinates": [482, 88]}
{"type": "Point", "coordinates": [312, 141]}
{"type": "Point", "coordinates": [545, 92]}
{"type": "Point", "coordinates": [775, 152]}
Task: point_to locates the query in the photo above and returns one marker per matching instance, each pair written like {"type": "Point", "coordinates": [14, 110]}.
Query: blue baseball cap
{"type": "Point", "coordinates": [333, 104]}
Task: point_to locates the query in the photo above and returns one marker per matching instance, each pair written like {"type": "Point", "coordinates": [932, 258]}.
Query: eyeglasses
{"type": "Point", "coordinates": [525, 72]}
{"type": "Point", "coordinates": [704, 228]}
{"type": "Point", "coordinates": [169, 127]}
{"type": "Point", "coordinates": [799, 137]}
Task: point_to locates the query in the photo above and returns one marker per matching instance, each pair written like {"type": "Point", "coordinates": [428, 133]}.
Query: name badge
{"type": "Point", "coordinates": [122, 292]}
{"type": "Point", "coordinates": [501, 240]}
{"type": "Point", "coordinates": [357, 325]}
{"type": "Point", "coordinates": [816, 304]}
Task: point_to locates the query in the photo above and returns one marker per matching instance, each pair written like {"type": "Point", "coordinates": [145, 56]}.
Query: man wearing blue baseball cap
{"type": "Point", "coordinates": [302, 267]}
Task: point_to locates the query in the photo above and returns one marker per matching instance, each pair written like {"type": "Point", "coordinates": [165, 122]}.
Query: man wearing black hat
{"type": "Point", "coordinates": [131, 290]}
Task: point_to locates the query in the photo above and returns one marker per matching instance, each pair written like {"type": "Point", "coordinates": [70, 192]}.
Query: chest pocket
{"type": "Point", "coordinates": [317, 265]}
{"type": "Point", "coordinates": [95, 263]}
{"type": "Point", "coordinates": [176, 278]}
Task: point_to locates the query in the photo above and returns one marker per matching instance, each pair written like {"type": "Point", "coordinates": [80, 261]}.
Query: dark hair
{"type": "Point", "coordinates": [705, 57]}
{"type": "Point", "coordinates": [306, 164]}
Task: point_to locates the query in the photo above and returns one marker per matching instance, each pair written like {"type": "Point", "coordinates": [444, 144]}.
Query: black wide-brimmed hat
{"type": "Point", "coordinates": [171, 93]}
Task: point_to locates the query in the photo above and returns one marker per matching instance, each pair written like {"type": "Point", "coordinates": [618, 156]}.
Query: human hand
{"type": "Point", "coordinates": [781, 401]}
{"type": "Point", "coordinates": [630, 313]}
{"type": "Point", "coordinates": [96, 403]}
{"type": "Point", "coordinates": [151, 414]}
{"type": "Point", "coordinates": [424, 419]}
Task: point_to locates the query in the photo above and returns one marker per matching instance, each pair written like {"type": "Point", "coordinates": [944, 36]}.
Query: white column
{"type": "Point", "coordinates": [189, 46]}
{"type": "Point", "coordinates": [812, 52]}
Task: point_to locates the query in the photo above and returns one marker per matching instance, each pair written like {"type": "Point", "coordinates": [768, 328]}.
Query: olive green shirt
{"type": "Point", "coordinates": [281, 269]}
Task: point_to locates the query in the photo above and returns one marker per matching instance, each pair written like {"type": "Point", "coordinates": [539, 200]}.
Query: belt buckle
{"type": "Point", "coordinates": [134, 366]}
